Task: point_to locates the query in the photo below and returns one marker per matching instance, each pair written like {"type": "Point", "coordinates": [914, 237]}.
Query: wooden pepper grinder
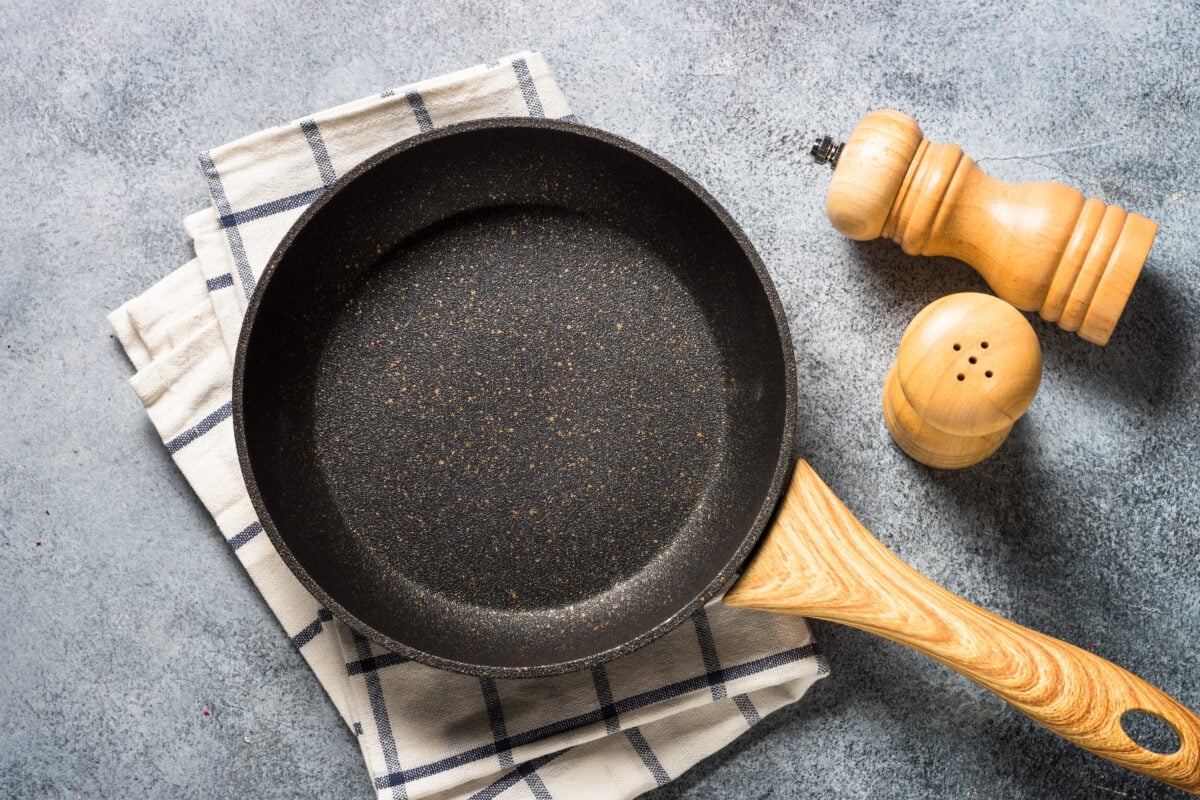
{"type": "Point", "coordinates": [1041, 246]}
{"type": "Point", "coordinates": [968, 368]}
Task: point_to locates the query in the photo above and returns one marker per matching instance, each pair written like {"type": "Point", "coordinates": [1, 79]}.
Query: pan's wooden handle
{"type": "Point", "coordinates": [819, 561]}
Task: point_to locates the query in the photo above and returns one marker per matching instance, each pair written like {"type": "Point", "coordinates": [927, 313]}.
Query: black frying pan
{"type": "Point", "coordinates": [515, 397]}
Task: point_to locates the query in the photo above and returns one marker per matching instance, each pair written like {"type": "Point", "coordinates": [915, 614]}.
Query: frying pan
{"type": "Point", "coordinates": [516, 397]}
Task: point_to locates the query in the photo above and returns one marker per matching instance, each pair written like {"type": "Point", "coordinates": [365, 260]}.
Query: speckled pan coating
{"type": "Point", "coordinates": [514, 397]}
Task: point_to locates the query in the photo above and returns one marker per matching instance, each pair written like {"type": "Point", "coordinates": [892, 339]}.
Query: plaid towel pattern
{"type": "Point", "coordinates": [612, 732]}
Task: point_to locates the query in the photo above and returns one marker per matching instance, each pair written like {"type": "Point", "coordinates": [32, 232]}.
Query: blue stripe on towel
{"type": "Point", "coordinates": [246, 534]}
{"type": "Point", "coordinates": [383, 723]}
{"type": "Point", "coordinates": [528, 88]}
{"type": "Point", "coordinates": [419, 111]}
{"type": "Point", "coordinates": [298, 200]}
{"type": "Point", "coordinates": [219, 282]}
{"type": "Point", "coordinates": [321, 155]}
{"type": "Point", "coordinates": [200, 428]}
{"type": "Point", "coordinates": [236, 247]}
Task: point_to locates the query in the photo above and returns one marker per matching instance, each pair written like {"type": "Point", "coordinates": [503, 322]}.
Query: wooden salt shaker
{"type": "Point", "coordinates": [968, 367]}
{"type": "Point", "coordinates": [1041, 246]}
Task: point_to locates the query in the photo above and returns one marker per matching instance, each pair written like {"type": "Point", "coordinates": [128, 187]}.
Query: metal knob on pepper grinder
{"type": "Point", "coordinates": [1041, 246]}
{"type": "Point", "coordinates": [968, 367]}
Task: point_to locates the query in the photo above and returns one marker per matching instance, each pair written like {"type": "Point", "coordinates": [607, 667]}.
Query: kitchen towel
{"type": "Point", "coordinates": [614, 731]}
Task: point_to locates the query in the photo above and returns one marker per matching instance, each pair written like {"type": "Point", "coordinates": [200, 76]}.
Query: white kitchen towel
{"type": "Point", "coordinates": [614, 731]}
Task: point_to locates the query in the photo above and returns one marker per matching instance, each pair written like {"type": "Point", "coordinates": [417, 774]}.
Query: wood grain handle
{"type": "Point", "coordinates": [818, 561]}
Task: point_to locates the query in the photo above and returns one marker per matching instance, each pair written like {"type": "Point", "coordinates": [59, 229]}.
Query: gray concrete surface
{"type": "Point", "coordinates": [131, 618]}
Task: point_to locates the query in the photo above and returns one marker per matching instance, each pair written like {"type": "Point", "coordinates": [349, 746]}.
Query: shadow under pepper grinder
{"type": "Point", "coordinates": [1041, 246]}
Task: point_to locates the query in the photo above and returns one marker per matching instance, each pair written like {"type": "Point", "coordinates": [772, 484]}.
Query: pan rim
{"type": "Point", "coordinates": [720, 581]}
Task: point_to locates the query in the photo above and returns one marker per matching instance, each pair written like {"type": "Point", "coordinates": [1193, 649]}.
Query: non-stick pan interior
{"type": "Point", "coordinates": [514, 398]}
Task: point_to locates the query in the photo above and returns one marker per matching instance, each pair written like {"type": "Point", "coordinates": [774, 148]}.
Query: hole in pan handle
{"type": "Point", "coordinates": [818, 561]}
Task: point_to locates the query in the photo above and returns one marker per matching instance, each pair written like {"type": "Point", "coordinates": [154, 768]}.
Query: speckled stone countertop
{"type": "Point", "coordinates": [138, 660]}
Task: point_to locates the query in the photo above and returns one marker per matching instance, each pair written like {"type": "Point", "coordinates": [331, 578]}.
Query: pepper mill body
{"type": "Point", "coordinates": [1041, 246]}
